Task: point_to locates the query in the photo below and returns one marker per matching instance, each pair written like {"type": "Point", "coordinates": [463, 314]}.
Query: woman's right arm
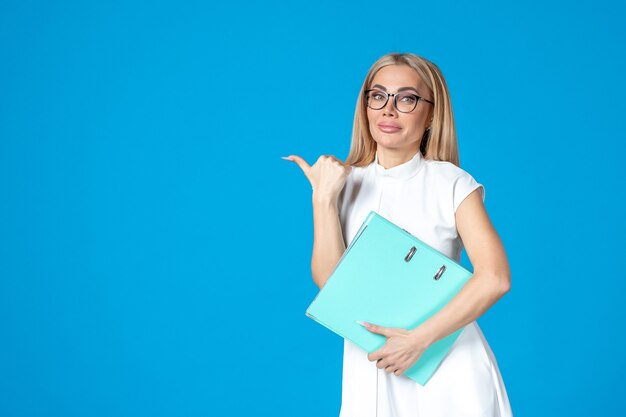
{"type": "Point", "coordinates": [327, 177]}
{"type": "Point", "coordinates": [328, 243]}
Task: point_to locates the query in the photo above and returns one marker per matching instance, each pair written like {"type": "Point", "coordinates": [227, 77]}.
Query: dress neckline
{"type": "Point", "coordinates": [401, 172]}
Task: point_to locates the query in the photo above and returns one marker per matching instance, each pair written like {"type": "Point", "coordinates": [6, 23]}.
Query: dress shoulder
{"type": "Point", "coordinates": [460, 183]}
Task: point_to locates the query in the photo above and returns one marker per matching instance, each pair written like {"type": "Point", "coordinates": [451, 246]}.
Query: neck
{"type": "Point", "coordinates": [389, 158]}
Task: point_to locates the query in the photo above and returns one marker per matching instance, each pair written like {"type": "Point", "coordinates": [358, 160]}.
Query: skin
{"type": "Point", "coordinates": [491, 278]}
{"type": "Point", "coordinates": [398, 147]}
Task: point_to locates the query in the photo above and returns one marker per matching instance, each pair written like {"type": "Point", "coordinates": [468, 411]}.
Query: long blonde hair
{"type": "Point", "coordinates": [439, 143]}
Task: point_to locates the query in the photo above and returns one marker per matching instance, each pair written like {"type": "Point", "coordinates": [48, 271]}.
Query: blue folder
{"type": "Point", "coordinates": [391, 278]}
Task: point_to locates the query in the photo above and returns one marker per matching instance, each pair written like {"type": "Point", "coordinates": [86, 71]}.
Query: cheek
{"type": "Point", "coordinates": [415, 121]}
{"type": "Point", "coordinates": [371, 120]}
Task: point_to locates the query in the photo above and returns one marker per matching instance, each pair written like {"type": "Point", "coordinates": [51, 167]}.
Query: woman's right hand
{"type": "Point", "coordinates": [327, 176]}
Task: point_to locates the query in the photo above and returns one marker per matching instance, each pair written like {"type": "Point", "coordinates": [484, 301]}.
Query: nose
{"type": "Point", "coordinates": [390, 108]}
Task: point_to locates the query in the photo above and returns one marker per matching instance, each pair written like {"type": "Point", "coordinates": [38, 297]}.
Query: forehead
{"type": "Point", "coordinates": [396, 76]}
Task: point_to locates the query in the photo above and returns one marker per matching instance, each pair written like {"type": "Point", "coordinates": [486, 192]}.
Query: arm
{"type": "Point", "coordinates": [491, 278]}
{"type": "Point", "coordinates": [328, 244]}
{"type": "Point", "coordinates": [490, 281]}
{"type": "Point", "coordinates": [327, 178]}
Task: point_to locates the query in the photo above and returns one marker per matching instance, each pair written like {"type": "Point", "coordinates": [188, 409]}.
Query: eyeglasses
{"type": "Point", "coordinates": [404, 102]}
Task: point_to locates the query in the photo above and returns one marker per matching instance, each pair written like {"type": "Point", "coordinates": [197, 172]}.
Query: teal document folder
{"type": "Point", "coordinates": [391, 278]}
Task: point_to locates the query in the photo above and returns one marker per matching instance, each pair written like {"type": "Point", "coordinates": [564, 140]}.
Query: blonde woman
{"type": "Point", "coordinates": [404, 164]}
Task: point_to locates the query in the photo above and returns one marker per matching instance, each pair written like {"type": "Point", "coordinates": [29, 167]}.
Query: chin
{"type": "Point", "coordinates": [390, 142]}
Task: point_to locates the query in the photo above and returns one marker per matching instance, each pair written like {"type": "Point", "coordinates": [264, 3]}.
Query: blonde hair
{"type": "Point", "coordinates": [439, 143]}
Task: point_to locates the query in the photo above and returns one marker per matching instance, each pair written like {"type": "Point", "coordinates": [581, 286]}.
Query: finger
{"type": "Point", "coordinates": [334, 158]}
{"type": "Point", "coordinates": [389, 363]}
{"type": "Point", "coordinates": [304, 166]}
{"type": "Point", "coordinates": [383, 364]}
{"type": "Point", "coordinates": [341, 162]}
{"type": "Point", "coordinates": [385, 331]}
{"type": "Point", "coordinates": [376, 356]}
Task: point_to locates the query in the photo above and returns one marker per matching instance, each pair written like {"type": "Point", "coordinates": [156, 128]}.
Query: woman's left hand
{"type": "Point", "coordinates": [401, 351]}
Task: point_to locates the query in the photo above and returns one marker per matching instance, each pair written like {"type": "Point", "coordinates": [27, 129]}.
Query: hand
{"type": "Point", "coordinates": [401, 351]}
{"type": "Point", "coordinates": [327, 176]}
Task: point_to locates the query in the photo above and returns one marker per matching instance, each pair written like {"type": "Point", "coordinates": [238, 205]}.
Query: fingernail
{"type": "Point", "coordinates": [362, 323]}
{"type": "Point", "coordinates": [286, 157]}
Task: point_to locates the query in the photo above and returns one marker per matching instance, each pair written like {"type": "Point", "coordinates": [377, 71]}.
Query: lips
{"type": "Point", "coordinates": [389, 128]}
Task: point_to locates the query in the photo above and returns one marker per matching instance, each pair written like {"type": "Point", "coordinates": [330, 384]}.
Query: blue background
{"type": "Point", "coordinates": [155, 249]}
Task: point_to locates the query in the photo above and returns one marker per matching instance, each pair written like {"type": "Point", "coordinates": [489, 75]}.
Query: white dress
{"type": "Point", "coordinates": [420, 196]}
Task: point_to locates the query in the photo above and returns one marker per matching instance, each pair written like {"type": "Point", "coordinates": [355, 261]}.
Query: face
{"type": "Point", "coordinates": [393, 129]}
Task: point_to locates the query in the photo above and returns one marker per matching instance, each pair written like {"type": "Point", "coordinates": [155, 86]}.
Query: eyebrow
{"type": "Point", "coordinates": [399, 89]}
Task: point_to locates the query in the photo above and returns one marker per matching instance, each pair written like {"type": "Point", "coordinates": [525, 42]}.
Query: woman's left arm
{"type": "Point", "coordinates": [491, 278]}
{"type": "Point", "coordinates": [490, 281]}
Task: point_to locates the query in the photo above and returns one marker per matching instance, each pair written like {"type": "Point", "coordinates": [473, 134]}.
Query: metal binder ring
{"type": "Point", "coordinates": [440, 272]}
{"type": "Point", "coordinates": [409, 255]}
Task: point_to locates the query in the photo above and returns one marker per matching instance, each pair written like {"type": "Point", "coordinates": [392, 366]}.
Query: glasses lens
{"type": "Point", "coordinates": [376, 99]}
{"type": "Point", "coordinates": [406, 102]}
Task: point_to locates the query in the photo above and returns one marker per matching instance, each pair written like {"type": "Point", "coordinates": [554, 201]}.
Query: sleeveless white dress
{"type": "Point", "coordinates": [422, 197]}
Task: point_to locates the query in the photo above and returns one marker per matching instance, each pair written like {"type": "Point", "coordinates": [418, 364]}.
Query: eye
{"type": "Point", "coordinates": [407, 99]}
{"type": "Point", "coordinates": [377, 96]}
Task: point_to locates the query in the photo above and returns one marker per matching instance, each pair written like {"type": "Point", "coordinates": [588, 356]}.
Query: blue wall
{"type": "Point", "coordinates": [155, 249]}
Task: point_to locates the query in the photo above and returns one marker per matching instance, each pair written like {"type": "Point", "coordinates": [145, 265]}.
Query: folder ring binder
{"type": "Point", "coordinates": [372, 282]}
{"type": "Point", "coordinates": [409, 255]}
{"type": "Point", "coordinates": [440, 272]}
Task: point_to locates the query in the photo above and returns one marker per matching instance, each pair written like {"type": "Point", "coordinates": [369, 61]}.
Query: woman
{"type": "Point", "coordinates": [404, 164]}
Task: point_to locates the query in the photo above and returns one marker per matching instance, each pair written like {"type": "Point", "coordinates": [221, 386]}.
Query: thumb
{"type": "Point", "coordinates": [304, 166]}
{"type": "Point", "coordinates": [385, 331]}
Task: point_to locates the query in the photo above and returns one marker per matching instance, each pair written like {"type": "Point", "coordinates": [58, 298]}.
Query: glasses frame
{"type": "Point", "coordinates": [395, 102]}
